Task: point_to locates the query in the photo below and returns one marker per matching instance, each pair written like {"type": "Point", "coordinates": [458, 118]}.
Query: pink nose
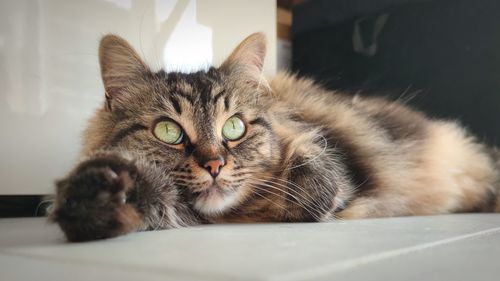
{"type": "Point", "coordinates": [214, 166]}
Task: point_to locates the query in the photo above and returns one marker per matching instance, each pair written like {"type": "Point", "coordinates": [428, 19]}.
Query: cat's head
{"type": "Point", "coordinates": [209, 129]}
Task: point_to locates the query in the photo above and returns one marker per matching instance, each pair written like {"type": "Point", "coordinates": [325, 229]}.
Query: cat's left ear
{"type": "Point", "coordinates": [247, 60]}
{"type": "Point", "coordinates": [121, 67]}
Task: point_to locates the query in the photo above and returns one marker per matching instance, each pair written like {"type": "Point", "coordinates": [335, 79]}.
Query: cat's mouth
{"type": "Point", "coordinates": [213, 199]}
{"type": "Point", "coordinates": [213, 189]}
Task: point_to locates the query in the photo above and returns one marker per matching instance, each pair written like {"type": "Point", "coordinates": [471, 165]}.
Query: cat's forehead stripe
{"type": "Point", "coordinates": [184, 87]}
{"type": "Point", "coordinates": [182, 95]}
{"type": "Point", "coordinates": [226, 103]}
{"type": "Point", "coordinates": [203, 87]}
{"type": "Point", "coordinates": [218, 96]}
{"type": "Point", "coordinates": [175, 104]}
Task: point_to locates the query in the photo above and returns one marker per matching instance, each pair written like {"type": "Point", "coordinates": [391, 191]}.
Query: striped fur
{"type": "Point", "coordinates": [308, 154]}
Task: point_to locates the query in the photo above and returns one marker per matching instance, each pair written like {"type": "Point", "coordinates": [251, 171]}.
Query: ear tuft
{"type": "Point", "coordinates": [120, 65]}
{"type": "Point", "coordinates": [248, 57]}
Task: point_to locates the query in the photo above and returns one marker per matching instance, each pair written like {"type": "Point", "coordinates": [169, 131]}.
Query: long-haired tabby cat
{"type": "Point", "coordinates": [225, 145]}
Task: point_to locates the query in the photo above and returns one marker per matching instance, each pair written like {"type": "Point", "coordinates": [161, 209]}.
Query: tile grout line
{"type": "Point", "coordinates": [322, 270]}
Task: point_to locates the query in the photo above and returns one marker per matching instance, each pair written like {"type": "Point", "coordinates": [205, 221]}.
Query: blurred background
{"type": "Point", "coordinates": [441, 56]}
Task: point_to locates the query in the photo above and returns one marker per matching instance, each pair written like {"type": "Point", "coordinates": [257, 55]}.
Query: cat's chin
{"type": "Point", "coordinates": [214, 201]}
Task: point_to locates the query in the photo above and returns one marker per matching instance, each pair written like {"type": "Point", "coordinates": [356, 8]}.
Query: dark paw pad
{"type": "Point", "coordinates": [92, 201]}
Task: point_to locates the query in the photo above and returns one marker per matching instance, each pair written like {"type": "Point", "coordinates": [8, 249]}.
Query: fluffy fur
{"type": "Point", "coordinates": [308, 154]}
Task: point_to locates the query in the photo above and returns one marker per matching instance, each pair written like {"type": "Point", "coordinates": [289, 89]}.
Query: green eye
{"type": "Point", "coordinates": [168, 132]}
{"type": "Point", "coordinates": [233, 129]}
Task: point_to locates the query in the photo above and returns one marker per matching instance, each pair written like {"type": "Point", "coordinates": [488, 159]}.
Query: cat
{"type": "Point", "coordinates": [171, 150]}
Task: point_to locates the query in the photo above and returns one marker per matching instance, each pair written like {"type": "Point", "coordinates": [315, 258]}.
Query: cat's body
{"type": "Point", "coordinates": [305, 154]}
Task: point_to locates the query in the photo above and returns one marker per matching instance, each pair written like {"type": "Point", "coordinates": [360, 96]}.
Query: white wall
{"type": "Point", "coordinates": [49, 76]}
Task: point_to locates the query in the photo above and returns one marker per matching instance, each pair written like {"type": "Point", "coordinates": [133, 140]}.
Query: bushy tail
{"type": "Point", "coordinates": [495, 155]}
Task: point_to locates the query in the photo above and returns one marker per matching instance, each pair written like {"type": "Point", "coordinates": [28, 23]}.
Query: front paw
{"type": "Point", "coordinates": [91, 202]}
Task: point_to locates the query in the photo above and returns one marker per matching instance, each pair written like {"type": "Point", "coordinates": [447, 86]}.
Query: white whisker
{"type": "Point", "coordinates": [314, 158]}
{"type": "Point", "coordinates": [286, 199]}
{"type": "Point", "coordinates": [294, 185]}
{"type": "Point", "coordinates": [269, 200]}
{"type": "Point", "coordinates": [287, 188]}
{"type": "Point", "coordinates": [297, 202]}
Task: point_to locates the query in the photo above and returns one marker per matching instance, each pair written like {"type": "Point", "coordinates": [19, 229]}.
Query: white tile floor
{"type": "Point", "coordinates": [454, 247]}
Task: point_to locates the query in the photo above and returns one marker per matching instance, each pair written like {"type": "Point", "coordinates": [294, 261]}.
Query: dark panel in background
{"type": "Point", "coordinates": [23, 206]}
{"type": "Point", "coordinates": [446, 50]}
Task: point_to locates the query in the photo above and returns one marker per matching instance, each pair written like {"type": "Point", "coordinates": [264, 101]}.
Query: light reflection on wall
{"type": "Point", "coordinates": [49, 73]}
{"type": "Point", "coordinates": [190, 44]}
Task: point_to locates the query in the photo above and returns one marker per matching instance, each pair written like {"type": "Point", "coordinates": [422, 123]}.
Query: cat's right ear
{"type": "Point", "coordinates": [247, 60]}
{"type": "Point", "coordinates": [120, 66]}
